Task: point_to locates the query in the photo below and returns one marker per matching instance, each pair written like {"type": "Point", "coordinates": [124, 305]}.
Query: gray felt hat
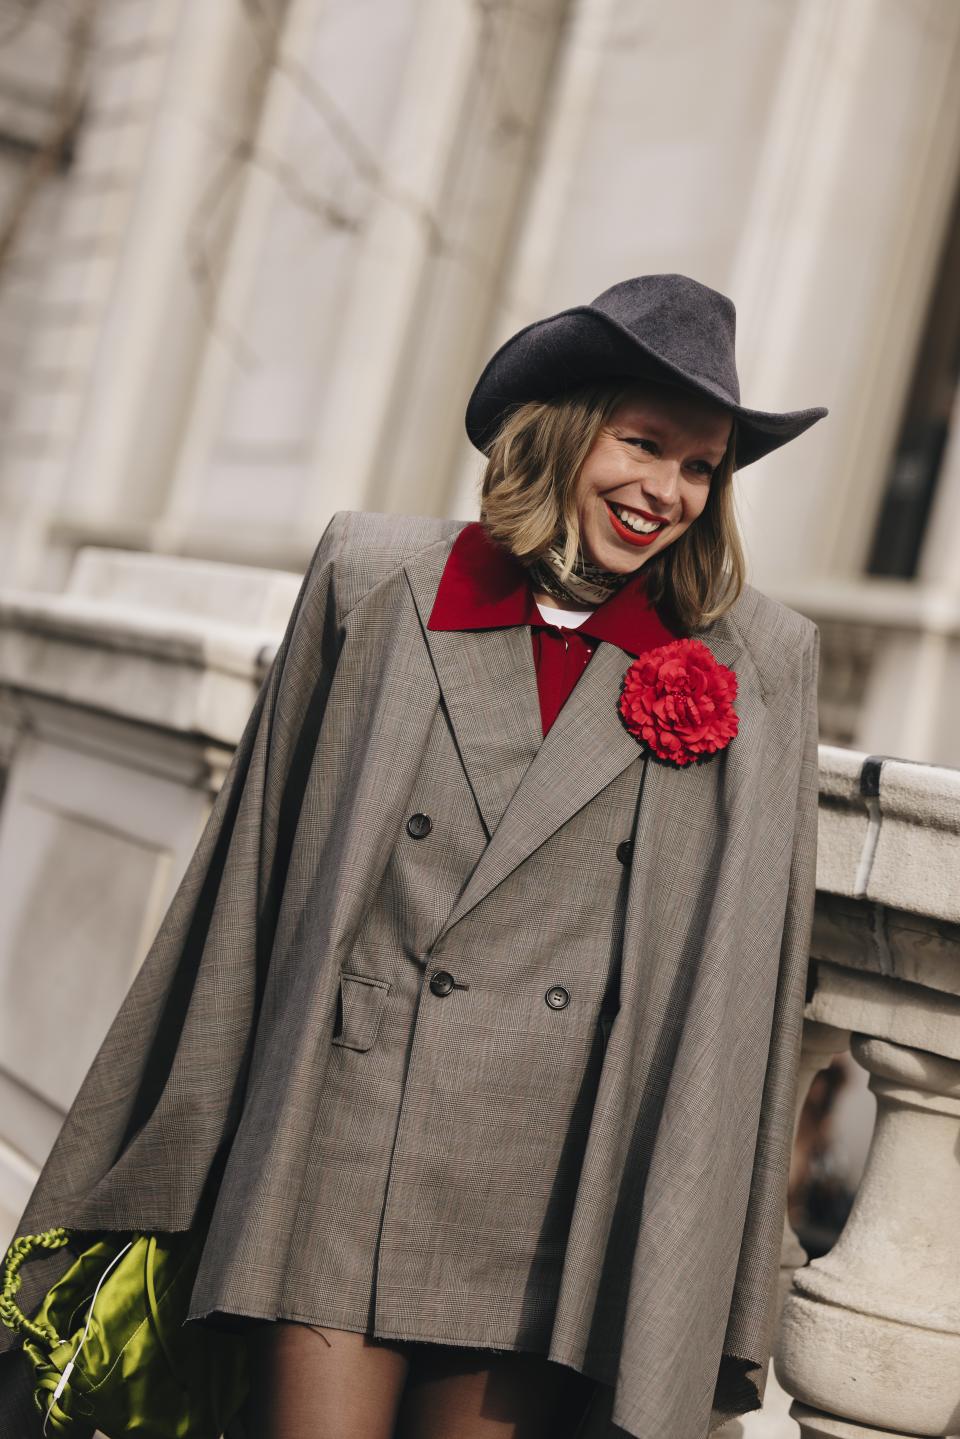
{"type": "Point", "coordinates": [665, 327]}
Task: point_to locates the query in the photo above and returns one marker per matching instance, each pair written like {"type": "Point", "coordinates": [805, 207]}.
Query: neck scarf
{"type": "Point", "coordinates": [587, 584]}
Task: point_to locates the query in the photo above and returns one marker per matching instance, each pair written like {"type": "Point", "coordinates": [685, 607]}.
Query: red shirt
{"type": "Point", "coordinates": [483, 586]}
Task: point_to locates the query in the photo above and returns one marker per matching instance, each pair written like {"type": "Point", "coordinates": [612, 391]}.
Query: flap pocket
{"type": "Point", "coordinates": [361, 1009]}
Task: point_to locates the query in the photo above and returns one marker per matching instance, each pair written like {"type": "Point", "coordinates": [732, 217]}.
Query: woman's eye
{"type": "Point", "coordinates": [703, 467]}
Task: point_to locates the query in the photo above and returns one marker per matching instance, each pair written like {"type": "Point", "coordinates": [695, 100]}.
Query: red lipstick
{"type": "Point", "coordinates": [631, 536]}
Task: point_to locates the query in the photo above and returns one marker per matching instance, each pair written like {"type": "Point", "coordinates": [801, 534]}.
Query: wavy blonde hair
{"type": "Point", "coordinates": [528, 503]}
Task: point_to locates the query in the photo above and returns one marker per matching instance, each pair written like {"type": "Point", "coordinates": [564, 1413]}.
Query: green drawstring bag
{"type": "Point", "coordinates": [107, 1347]}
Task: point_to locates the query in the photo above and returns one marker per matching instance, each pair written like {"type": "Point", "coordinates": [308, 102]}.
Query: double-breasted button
{"type": "Point", "coordinates": [441, 982]}
{"type": "Point", "coordinates": [625, 851]}
{"type": "Point", "coordinates": [419, 825]}
{"type": "Point", "coordinates": [557, 997]}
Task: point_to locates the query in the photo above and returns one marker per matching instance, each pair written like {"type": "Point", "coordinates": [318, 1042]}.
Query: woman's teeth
{"type": "Point", "coordinates": [634, 522]}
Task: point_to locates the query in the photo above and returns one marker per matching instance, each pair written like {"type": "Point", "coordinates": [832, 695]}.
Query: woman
{"type": "Point", "coordinates": [473, 1026]}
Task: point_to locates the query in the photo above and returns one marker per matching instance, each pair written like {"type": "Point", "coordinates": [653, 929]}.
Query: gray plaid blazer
{"type": "Point", "coordinates": [201, 1097]}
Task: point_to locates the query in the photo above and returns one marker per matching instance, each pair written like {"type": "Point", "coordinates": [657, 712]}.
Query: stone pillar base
{"type": "Point", "coordinates": [816, 1425]}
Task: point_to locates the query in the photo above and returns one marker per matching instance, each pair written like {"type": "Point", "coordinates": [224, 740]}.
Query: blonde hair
{"type": "Point", "coordinates": [528, 503]}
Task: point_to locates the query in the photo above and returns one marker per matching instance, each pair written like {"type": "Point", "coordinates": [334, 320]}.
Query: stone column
{"type": "Point", "coordinates": [158, 284]}
{"type": "Point", "coordinates": [863, 91]}
{"type": "Point", "coordinates": [381, 195]}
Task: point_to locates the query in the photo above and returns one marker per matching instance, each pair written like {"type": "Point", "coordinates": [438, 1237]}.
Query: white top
{"type": "Point", "coordinates": [566, 619]}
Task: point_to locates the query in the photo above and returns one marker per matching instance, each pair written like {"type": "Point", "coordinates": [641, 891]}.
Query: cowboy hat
{"type": "Point", "coordinates": [666, 327]}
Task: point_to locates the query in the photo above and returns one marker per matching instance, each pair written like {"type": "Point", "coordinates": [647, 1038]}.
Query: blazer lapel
{"type": "Point", "coordinates": [588, 746]}
{"type": "Point", "coordinates": [489, 687]}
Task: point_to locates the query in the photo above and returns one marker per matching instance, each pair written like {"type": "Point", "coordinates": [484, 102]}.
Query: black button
{"type": "Point", "coordinates": [441, 982]}
{"type": "Point", "coordinates": [625, 851]}
{"type": "Point", "coordinates": [557, 997]}
{"type": "Point", "coordinates": [419, 825]}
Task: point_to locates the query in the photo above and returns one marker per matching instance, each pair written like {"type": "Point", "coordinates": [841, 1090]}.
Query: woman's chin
{"type": "Point", "coordinates": [604, 556]}
{"type": "Point", "coordinates": [617, 562]}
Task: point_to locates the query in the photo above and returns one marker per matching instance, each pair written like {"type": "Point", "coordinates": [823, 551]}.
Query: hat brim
{"type": "Point", "coordinates": [580, 346]}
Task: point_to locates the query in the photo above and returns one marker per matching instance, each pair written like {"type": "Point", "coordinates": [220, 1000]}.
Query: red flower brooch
{"type": "Point", "coordinates": [678, 700]}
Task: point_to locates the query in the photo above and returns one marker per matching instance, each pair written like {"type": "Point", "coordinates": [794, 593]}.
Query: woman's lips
{"type": "Point", "coordinates": [631, 536]}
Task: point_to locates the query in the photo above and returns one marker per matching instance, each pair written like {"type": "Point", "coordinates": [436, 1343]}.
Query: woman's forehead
{"type": "Point", "coordinates": [676, 410]}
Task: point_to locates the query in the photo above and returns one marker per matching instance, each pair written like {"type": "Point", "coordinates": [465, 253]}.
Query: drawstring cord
{"type": "Point", "coordinates": [83, 1338]}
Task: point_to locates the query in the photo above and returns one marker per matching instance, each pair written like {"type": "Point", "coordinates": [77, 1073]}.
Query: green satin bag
{"type": "Point", "coordinates": [107, 1348]}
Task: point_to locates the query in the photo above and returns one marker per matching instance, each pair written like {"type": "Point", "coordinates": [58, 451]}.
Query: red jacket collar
{"type": "Point", "coordinates": [483, 586]}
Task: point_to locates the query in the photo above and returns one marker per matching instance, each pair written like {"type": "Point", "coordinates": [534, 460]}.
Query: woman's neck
{"type": "Point", "coordinates": [558, 604]}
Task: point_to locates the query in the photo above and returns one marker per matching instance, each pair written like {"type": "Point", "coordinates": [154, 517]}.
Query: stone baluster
{"type": "Point", "coordinates": [872, 1330]}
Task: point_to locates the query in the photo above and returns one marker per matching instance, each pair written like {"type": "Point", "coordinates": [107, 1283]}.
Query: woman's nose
{"type": "Point", "coordinates": [662, 483]}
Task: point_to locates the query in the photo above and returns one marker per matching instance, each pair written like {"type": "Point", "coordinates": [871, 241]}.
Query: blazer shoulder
{"type": "Point", "coordinates": [777, 637]}
{"type": "Point", "coordinates": [366, 546]}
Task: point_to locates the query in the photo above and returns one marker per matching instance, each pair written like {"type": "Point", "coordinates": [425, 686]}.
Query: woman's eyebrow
{"type": "Point", "coordinates": [655, 427]}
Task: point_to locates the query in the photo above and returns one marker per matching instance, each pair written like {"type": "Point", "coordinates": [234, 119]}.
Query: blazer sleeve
{"type": "Point", "coordinates": [754, 1313]}
{"type": "Point", "coordinates": [175, 1057]}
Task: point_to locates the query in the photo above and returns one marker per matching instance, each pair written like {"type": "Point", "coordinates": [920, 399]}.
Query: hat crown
{"type": "Point", "coordinates": [685, 322]}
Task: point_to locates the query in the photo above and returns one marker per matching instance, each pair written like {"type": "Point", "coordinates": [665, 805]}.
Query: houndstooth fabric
{"type": "Point", "coordinates": [605, 1181]}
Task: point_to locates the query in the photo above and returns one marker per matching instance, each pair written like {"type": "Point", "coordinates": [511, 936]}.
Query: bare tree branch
{"type": "Point", "coordinates": [240, 151]}
{"type": "Point", "coordinates": [65, 122]}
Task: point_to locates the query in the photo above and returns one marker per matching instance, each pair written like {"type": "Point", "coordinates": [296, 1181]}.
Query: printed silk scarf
{"type": "Point", "coordinates": [587, 583]}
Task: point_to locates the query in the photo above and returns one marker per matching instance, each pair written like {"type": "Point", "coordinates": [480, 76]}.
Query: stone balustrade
{"type": "Point", "coordinates": [869, 1341]}
{"type": "Point", "coordinates": [120, 702]}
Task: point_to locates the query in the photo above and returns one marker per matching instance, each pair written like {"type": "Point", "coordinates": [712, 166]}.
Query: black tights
{"type": "Point", "coordinates": [309, 1382]}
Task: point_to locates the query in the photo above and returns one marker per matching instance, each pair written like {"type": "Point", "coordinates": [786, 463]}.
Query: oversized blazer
{"type": "Point", "coordinates": [201, 1099]}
